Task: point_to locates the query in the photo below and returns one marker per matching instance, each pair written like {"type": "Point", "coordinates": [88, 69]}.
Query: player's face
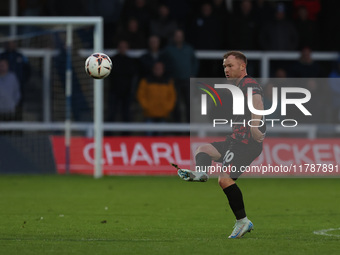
{"type": "Point", "coordinates": [233, 68]}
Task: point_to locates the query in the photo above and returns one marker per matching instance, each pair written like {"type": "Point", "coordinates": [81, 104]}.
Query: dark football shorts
{"type": "Point", "coordinates": [235, 155]}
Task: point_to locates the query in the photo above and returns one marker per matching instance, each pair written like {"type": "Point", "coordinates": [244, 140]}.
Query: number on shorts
{"type": "Point", "coordinates": [229, 155]}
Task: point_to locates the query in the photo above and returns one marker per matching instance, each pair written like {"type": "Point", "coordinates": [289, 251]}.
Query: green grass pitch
{"type": "Point", "coordinates": [164, 215]}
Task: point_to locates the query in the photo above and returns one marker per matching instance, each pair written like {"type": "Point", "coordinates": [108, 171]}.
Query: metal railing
{"type": "Point", "coordinates": [264, 57]}
{"type": "Point", "coordinates": [310, 131]}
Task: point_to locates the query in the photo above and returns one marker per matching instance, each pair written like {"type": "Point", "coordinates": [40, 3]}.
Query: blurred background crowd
{"type": "Point", "coordinates": [208, 24]}
{"type": "Point", "coordinates": [155, 86]}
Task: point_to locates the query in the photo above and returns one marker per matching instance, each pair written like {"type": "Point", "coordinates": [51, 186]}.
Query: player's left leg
{"type": "Point", "coordinates": [203, 157]}
{"type": "Point", "coordinates": [191, 176]}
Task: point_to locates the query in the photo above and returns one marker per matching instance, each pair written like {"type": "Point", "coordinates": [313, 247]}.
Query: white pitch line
{"type": "Point", "coordinates": [324, 232]}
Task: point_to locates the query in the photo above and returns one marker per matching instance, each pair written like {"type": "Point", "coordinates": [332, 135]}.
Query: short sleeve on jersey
{"type": "Point", "coordinates": [251, 83]}
{"type": "Point", "coordinates": [256, 89]}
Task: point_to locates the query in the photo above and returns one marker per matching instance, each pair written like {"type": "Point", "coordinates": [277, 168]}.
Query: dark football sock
{"type": "Point", "coordinates": [203, 160]}
{"type": "Point", "coordinates": [235, 198]}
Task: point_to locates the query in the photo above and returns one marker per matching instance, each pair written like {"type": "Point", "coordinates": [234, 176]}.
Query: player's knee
{"type": "Point", "coordinates": [225, 182]}
{"type": "Point", "coordinates": [202, 148]}
{"type": "Point", "coordinates": [208, 149]}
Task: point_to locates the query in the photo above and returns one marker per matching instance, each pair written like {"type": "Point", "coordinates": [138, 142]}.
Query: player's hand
{"type": "Point", "coordinates": [257, 135]}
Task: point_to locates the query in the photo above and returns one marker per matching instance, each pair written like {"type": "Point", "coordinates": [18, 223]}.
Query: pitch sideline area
{"type": "Point", "coordinates": [51, 214]}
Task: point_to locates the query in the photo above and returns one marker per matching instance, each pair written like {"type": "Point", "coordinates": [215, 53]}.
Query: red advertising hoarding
{"type": "Point", "coordinates": [152, 155]}
{"type": "Point", "coordinates": [125, 155]}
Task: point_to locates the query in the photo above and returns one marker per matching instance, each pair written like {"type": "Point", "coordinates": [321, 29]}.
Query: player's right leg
{"type": "Point", "coordinates": [235, 198]}
{"type": "Point", "coordinates": [226, 181]}
{"type": "Point", "coordinates": [203, 156]}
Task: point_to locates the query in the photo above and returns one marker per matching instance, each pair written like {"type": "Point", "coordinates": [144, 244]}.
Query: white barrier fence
{"type": "Point", "coordinates": [310, 131]}
{"type": "Point", "coordinates": [264, 57]}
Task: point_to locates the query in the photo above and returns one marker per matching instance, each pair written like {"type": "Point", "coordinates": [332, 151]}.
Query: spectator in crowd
{"type": "Point", "coordinates": [110, 11]}
{"type": "Point", "coordinates": [316, 103]}
{"type": "Point", "coordinates": [305, 66]}
{"type": "Point", "coordinates": [67, 8]}
{"type": "Point", "coordinates": [132, 34]}
{"type": "Point", "coordinates": [153, 55]}
{"type": "Point", "coordinates": [141, 11]}
{"type": "Point", "coordinates": [18, 64]}
{"type": "Point", "coordinates": [179, 10]}
{"type": "Point", "coordinates": [183, 64]}
{"type": "Point", "coordinates": [80, 106]}
{"type": "Point", "coordinates": [330, 25]}
{"type": "Point", "coordinates": [123, 76]}
{"type": "Point", "coordinates": [244, 35]}
{"type": "Point", "coordinates": [264, 12]}
{"type": "Point", "coordinates": [279, 35]}
{"type": "Point", "coordinates": [307, 29]}
{"type": "Point", "coordinates": [334, 88]}
{"type": "Point", "coordinates": [280, 78]}
{"type": "Point", "coordinates": [205, 31]}
{"type": "Point", "coordinates": [157, 96]}
{"type": "Point", "coordinates": [312, 7]}
{"type": "Point", "coordinates": [32, 7]}
{"type": "Point", "coordinates": [219, 10]}
{"type": "Point", "coordinates": [9, 92]}
{"type": "Point", "coordinates": [281, 73]}
{"type": "Point", "coordinates": [163, 26]}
